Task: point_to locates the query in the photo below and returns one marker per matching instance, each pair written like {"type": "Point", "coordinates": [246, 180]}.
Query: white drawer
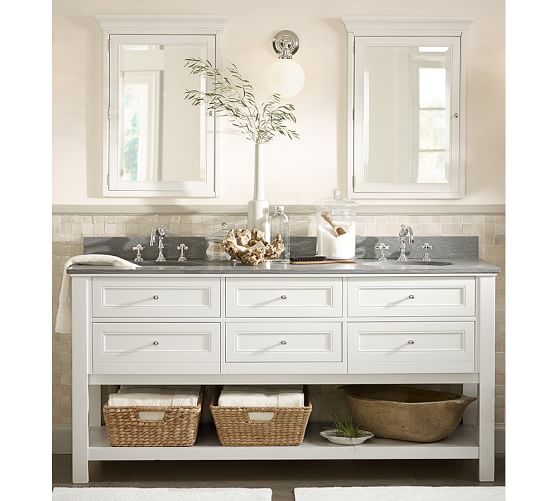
{"type": "Point", "coordinates": [283, 342]}
{"type": "Point", "coordinates": [156, 348]}
{"type": "Point", "coordinates": [417, 296]}
{"type": "Point", "coordinates": [156, 297]}
{"type": "Point", "coordinates": [284, 297]}
{"type": "Point", "coordinates": [411, 347]}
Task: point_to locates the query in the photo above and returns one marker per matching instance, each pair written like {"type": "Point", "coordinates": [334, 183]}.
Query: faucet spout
{"type": "Point", "coordinates": [410, 235]}
{"type": "Point", "coordinates": [161, 233]}
{"type": "Point", "coordinates": [406, 232]}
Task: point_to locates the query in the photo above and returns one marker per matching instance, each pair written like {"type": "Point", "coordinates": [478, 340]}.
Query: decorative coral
{"type": "Point", "coordinates": [250, 247]}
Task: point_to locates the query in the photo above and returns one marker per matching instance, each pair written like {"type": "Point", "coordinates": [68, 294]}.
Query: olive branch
{"type": "Point", "coordinates": [232, 96]}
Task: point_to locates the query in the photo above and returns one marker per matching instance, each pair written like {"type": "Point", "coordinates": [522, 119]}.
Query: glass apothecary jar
{"type": "Point", "coordinates": [215, 250]}
{"type": "Point", "coordinates": [336, 227]}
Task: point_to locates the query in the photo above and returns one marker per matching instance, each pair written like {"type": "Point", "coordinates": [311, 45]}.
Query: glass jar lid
{"type": "Point", "coordinates": [337, 204]}
{"type": "Point", "coordinates": [220, 234]}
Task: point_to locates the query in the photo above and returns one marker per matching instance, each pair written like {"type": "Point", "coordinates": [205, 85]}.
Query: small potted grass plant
{"type": "Point", "coordinates": [346, 432]}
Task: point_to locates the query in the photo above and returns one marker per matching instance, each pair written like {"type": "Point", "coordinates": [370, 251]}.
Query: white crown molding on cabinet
{"type": "Point", "coordinates": [161, 24]}
{"type": "Point", "coordinates": [290, 209]}
{"type": "Point", "coordinates": [386, 26]}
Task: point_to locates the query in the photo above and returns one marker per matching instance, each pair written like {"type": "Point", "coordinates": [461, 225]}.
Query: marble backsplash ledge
{"type": "Point", "coordinates": [457, 247]}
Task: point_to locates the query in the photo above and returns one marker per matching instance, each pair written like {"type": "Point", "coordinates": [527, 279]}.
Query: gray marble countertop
{"type": "Point", "coordinates": [200, 267]}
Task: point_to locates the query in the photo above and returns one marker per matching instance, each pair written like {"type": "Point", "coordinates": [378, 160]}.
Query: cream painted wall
{"type": "Point", "coordinates": [298, 172]}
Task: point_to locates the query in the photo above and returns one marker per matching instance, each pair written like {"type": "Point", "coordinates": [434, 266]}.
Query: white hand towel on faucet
{"type": "Point", "coordinates": [64, 315]}
{"type": "Point", "coordinates": [262, 396]}
{"type": "Point", "coordinates": [149, 396]}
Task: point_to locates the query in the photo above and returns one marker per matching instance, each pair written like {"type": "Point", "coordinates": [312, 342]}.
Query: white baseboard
{"type": "Point", "coordinates": [62, 439]}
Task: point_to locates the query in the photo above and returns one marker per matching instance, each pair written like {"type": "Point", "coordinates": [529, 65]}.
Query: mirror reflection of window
{"type": "Point", "coordinates": [433, 116]}
{"type": "Point", "coordinates": [140, 98]}
{"type": "Point", "coordinates": [160, 133]}
{"type": "Point", "coordinates": [406, 123]}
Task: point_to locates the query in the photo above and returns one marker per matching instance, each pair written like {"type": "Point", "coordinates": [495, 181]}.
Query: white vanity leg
{"type": "Point", "coordinates": [487, 366]}
{"type": "Point", "coordinates": [80, 389]}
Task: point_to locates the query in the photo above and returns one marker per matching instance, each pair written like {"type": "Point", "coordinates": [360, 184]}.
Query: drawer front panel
{"type": "Point", "coordinates": [284, 342]}
{"type": "Point", "coordinates": [155, 348]}
{"type": "Point", "coordinates": [156, 297]}
{"type": "Point", "coordinates": [411, 297]}
{"type": "Point", "coordinates": [424, 347]}
{"type": "Point", "coordinates": [284, 297]}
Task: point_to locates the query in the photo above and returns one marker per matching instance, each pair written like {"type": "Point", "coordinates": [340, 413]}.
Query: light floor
{"type": "Point", "coordinates": [281, 476]}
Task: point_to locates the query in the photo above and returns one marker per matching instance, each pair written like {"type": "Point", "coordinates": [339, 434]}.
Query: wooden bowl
{"type": "Point", "coordinates": [405, 413]}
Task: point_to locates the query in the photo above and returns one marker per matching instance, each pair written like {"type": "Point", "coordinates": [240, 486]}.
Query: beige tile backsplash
{"type": "Point", "coordinates": [69, 230]}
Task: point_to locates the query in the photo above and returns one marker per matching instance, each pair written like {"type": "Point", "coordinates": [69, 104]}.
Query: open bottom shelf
{"type": "Point", "coordinates": [462, 444]}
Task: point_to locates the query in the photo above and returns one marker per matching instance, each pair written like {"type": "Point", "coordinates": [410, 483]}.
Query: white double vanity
{"type": "Point", "coordinates": [279, 324]}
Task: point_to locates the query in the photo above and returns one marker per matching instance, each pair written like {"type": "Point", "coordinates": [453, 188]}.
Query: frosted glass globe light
{"type": "Point", "coordinates": [285, 77]}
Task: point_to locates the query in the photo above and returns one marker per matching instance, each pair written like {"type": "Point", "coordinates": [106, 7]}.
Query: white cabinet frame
{"type": "Point", "coordinates": [363, 30]}
{"type": "Point", "coordinates": [203, 30]}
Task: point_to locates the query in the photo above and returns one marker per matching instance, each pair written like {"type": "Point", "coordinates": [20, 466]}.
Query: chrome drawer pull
{"type": "Point", "coordinates": [283, 296]}
{"type": "Point", "coordinates": [283, 342]}
{"type": "Point", "coordinates": [155, 296]}
{"type": "Point", "coordinates": [410, 341]}
{"type": "Point", "coordinates": [411, 296]}
{"type": "Point", "coordinates": [156, 343]}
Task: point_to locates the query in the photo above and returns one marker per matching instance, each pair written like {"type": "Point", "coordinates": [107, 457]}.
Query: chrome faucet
{"type": "Point", "coordinates": [138, 248]}
{"type": "Point", "coordinates": [161, 233]}
{"type": "Point", "coordinates": [426, 248]}
{"type": "Point", "coordinates": [182, 248]}
{"type": "Point", "coordinates": [382, 247]}
{"type": "Point", "coordinates": [406, 232]}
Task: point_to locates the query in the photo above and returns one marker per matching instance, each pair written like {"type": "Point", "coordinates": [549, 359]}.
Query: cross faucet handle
{"type": "Point", "coordinates": [182, 248]}
{"type": "Point", "coordinates": [138, 248]}
{"type": "Point", "coordinates": [426, 247]}
{"type": "Point", "coordinates": [381, 247]}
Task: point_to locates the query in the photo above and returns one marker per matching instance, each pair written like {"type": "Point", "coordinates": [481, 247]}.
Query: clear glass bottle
{"type": "Point", "coordinates": [279, 224]}
{"type": "Point", "coordinates": [215, 250]}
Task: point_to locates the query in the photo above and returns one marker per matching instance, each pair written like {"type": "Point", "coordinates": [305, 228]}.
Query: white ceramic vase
{"type": "Point", "coordinates": [258, 208]}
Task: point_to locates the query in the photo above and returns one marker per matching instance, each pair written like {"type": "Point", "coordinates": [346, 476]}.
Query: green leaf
{"type": "Point", "coordinates": [232, 96]}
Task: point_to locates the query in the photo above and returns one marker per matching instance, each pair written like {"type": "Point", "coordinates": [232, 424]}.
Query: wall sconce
{"type": "Point", "coordinates": [285, 76]}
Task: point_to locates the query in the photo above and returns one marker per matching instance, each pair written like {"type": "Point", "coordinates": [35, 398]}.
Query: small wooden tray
{"type": "Point", "coordinates": [325, 261]}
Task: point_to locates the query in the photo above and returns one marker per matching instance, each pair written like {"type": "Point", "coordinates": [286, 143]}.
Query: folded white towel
{"type": "Point", "coordinates": [64, 315]}
{"type": "Point", "coordinates": [184, 396]}
{"type": "Point", "coordinates": [171, 389]}
{"type": "Point", "coordinates": [262, 396]}
{"type": "Point", "coordinates": [151, 400]}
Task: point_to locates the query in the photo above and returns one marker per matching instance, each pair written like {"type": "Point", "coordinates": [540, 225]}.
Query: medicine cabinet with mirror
{"type": "Point", "coordinates": [406, 125]}
{"type": "Point", "coordinates": [156, 144]}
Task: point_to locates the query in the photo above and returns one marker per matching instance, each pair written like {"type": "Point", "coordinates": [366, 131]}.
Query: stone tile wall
{"type": "Point", "coordinates": [68, 231]}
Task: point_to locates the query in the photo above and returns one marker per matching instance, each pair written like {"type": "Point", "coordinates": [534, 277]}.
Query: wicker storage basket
{"type": "Point", "coordinates": [134, 426]}
{"type": "Point", "coordinates": [261, 426]}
